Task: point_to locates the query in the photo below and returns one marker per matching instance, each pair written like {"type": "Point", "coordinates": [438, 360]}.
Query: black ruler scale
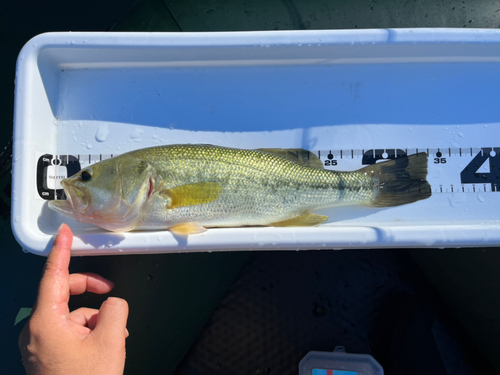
{"type": "Point", "coordinates": [451, 170]}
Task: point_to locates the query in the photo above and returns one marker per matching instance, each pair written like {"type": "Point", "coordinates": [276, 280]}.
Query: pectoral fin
{"type": "Point", "coordinates": [304, 220]}
{"type": "Point", "coordinates": [187, 229]}
{"type": "Point", "coordinates": [191, 194]}
{"type": "Point", "coordinates": [297, 155]}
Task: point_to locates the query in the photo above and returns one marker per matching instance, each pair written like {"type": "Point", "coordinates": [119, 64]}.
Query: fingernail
{"type": "Point", "coordinates": [114, 301]}
{"type": "Point", "coordinates": [60, 227]}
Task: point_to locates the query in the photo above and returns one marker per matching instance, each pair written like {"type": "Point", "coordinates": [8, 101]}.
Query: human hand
{"type": "Point", "coordinates": [86, 341]}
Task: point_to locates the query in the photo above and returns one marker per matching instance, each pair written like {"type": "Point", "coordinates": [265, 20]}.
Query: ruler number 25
{"type": "Point", "coordinates": [330, 163]}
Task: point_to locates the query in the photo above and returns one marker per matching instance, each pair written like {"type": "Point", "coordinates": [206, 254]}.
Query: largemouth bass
{"type": "Point", "coordinates": [187, 188]}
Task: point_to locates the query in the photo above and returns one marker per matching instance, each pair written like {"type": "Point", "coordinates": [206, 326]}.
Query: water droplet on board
{"type": "Point", "coordinates": [136, 135]}
{"type": "Point", "coordinates": [89, 146]}
{"type": "Point", "coordinates": [457, 199]}
{"type": "Point", "coordinates": [110, 244]}
{"type": "Point", "coordinates": [102, 132]}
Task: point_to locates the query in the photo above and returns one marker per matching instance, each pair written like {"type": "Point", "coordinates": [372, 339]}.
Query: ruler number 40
{"type": "Point", "coordinates": [471, 174]}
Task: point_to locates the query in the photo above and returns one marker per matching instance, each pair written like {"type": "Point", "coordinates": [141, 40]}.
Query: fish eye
{"type": "Point", "coordinates": [85, 176]}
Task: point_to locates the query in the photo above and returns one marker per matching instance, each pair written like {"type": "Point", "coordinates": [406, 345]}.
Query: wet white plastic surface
{"type": "Point", "coordinates": [108, 93]}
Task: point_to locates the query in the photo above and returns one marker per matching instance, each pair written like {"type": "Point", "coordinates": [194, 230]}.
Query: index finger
{"type": "Point", "coordinates": [80, 283]}
{"type": "Point", "coordinates": [53, 293]}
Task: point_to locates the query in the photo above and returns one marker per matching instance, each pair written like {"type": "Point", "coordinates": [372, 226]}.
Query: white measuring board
{"type": "Point", "coordinates": [350, 97]}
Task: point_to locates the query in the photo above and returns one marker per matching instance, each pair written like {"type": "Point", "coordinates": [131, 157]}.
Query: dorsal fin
{"type": "Point", "coordinates": [297, 155]}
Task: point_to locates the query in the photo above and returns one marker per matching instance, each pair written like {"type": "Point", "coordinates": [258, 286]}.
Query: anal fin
{"type": "Point", "coordinates": [305, 220]}
{"type": "Point", "coordinates": [186, 229]}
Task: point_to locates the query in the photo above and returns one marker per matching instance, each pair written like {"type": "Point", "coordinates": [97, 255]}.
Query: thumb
{"type": "Point", "coordinates": [111, 327]}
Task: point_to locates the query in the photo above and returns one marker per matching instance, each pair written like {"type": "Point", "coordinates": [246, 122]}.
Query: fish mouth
{"type": "Point", "coordinates": [63, 207]}
{"type": "Point", "coordinates": [76, 201]}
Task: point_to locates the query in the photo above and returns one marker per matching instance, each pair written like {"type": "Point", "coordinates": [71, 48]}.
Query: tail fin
{"type": "Point", "coordinates": [400, 181]}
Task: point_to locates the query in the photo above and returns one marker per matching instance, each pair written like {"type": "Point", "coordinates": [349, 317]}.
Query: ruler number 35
{"type": "Point", "coordinates": [439, 160]}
